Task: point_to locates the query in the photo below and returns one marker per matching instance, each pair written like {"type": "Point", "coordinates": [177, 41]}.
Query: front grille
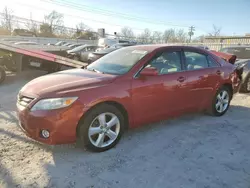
{"type": "Point", "coordinates": [24, 101]}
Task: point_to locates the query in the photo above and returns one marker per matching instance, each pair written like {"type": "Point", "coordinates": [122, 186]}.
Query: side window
{"type": "Point", "coordinates": [167, 62]}
{"type": "Point", "coordinates": [195, 60]}
{"type": "Point", "coordinates": [211, 62]}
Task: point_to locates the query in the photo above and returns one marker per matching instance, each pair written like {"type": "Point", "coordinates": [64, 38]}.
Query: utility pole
{"type": "Point", "coordinates": [191, 32]}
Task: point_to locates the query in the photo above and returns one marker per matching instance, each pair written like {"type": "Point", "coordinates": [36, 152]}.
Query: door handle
{"type": "Point", "coordinates": [181, 79]}
{"type": "Point", "coordinates": [218, 72]}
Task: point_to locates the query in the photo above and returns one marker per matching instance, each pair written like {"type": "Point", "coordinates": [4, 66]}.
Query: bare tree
{"type": "Point", "coordinates": [82, 27]}
{"type": "Point", "coordinates": [83, 31]}
{"type": "Point", "coordinates": [54, 21]}
{"type": "Point", "coordinates": [126, 33]}
{"type": "Point", "coordinates": [181, 36]}
{"type": "Point", "coordinates": [199, 39]}
{"type": "Point", "coordinates": [216, 31]}
{"type": "Point", "coordinates": [169, 36]}
{"type": "Point", "coordinates": [157, 37]}
{"type": "Point", "coordinates": [145, 36]}
{"type": "Point", "coordinates": [172, 36]}
{"type": "Point", "coordinates": [45, 30]}
{"type": "Point", "coordinates": [32, 25]}
{"type": "Point", "coordinates": [7, 20]}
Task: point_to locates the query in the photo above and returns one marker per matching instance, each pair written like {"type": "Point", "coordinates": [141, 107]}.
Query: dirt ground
{"type": "Point", "coordinates": [191, 151]}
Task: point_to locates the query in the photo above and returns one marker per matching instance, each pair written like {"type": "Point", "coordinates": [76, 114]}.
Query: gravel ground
{"type": "Point", "coordinates": [191, 151]}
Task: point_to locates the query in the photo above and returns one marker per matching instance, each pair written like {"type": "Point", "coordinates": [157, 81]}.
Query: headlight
{"type": "Point", "coordinates": [53, 103]}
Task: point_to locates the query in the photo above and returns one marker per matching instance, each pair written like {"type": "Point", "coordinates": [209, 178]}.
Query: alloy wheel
{"type": "Point", "coordinates": [104, 130]}
{"type": "Point", "coordinates": [222, 101]}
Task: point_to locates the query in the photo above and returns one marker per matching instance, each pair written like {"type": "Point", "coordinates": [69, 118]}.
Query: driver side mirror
{"type": "Point", "coordinates": [149, 71]}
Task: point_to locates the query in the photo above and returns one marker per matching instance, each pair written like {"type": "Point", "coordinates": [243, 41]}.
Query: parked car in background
{"type": "Point", "coordinates": [120, 45]}
{"type": "Point", "coordinates": [81, 53]}
{"type": "Point", "coordinates": [107, 42]}
{"type": "Point", "coordinates": [75, 45]}
{"type": "Point", "coordinates": [26, 43]}
{"type": "Point", "coordinates": [23, 32]}
{"type": "Point", "coordinates": [103, 51]}
{"type": "Point", "coordinates": [60, 43]}
{"type": "Point", "coordinates": [93, 56]}
{"type": "Point", "coordinates": [66, 44]}
{"type": "Point", "coordinates": [127, 88]}
{"type": "Point", "coordinates": [243, 60]}
{"type": "Point", "coordinates": [203, 47]}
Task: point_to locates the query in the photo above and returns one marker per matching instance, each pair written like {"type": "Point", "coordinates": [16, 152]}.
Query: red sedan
{"type": "Point", "coordinates": [126, 88]}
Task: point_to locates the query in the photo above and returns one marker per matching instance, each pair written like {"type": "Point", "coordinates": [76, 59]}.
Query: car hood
{"type": "Point", "coordinates": [63, 82]}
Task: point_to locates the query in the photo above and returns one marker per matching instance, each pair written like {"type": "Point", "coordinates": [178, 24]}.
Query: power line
{"type": "Point", "coordinates": [110, 13]}
{"type": "Point", "coordinates": [26, 21]}
{"type": "Point", "coordinates": [88, 19]}
{"type": "Point", "coordinates": [81, 7]}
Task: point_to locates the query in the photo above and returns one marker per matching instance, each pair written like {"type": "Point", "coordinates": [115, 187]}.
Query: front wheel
{"type": "Point", "coordinates": [221, 102]}
{"type": "Point", "coordinates": [101, 128]}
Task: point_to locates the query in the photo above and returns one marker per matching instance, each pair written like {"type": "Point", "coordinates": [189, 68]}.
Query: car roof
{"type": "Point", "coordinates": [153, 47]}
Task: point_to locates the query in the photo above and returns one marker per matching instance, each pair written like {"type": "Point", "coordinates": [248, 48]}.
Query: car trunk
{"type": "Point", "coordinates": [230, 58]}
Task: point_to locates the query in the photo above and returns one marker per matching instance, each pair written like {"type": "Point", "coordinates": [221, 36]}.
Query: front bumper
{"type": "Point", "coordinates": [61, 124]}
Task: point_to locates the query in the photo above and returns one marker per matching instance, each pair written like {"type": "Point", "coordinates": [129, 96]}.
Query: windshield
{"type": "Point", "coordinates": [118, 62]}
{"type": "Point", "coordinates": [241, 53]}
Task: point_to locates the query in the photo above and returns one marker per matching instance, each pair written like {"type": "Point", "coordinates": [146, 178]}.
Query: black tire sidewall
{"type": "Point", "coordinates": [84, 124]}
{"type": "Point", "coordinates": [214, 112]}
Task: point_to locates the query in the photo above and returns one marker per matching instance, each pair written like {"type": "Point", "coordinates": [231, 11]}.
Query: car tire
{"type": "Point", "coordinates": [2, 74]}
{"type": "Point", "coordinates": [221, 102]}
{"type": "Point", "coordinates": [245, 88]}
{"type": "Point", "coordinates": [96, 136]}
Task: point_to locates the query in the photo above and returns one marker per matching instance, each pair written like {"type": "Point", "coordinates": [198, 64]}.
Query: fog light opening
{"type": "Point", "coordinates": [45, 133]}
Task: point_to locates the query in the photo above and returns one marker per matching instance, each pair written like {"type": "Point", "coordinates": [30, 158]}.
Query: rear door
{"type": "Point", "coordinates": [203, 75]}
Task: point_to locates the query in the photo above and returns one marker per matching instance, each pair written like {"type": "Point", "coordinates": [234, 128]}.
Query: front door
{"type": "Point", "coordinates": [154, 97]}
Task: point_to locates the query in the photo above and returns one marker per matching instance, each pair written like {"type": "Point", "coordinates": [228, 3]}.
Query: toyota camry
{"type": "Point", "coordinates": [124, 89]}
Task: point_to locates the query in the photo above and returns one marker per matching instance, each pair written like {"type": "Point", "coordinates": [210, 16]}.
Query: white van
{"type": "Point", "coordinates": [107, 42]}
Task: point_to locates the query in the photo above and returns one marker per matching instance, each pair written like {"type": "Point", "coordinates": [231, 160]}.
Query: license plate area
{"type": "Point", "coordinates": [35, 64]}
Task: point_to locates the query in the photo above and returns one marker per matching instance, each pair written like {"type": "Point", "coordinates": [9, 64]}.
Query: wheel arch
{"type": "Point", "coordinates": [230, 87]}
{"type": "Point", "coordinates": [118, 105]}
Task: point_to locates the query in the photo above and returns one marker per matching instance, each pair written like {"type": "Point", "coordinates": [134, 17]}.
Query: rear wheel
{"type": "Point", "coordinates": [221, 101]}
{"type": "Point", "coordinates": [101, 128]}
{"type": "Point", "coordinates": [2, 74]}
